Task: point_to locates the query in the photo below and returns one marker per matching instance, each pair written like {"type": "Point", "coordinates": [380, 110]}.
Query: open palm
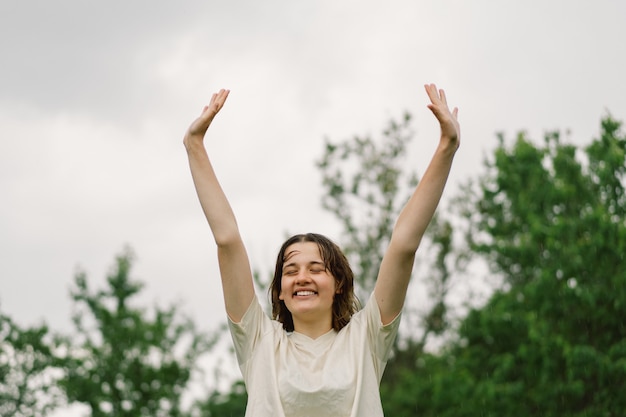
{"type": "Point", "coordinates": [202, 123]}
{"type": "Point", "coordinates": [448, 120]}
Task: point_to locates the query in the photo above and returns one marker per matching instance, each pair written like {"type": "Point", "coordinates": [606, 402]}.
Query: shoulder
{"type": "Point", "coordinates": [254, 323]}
{"type": "Point", "coordinates": [369, 318]}
{"type": "Point", "coordinates": [255, 329]}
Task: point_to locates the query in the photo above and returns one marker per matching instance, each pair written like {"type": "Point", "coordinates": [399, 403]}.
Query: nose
{"type": "Point", "coordinates": [303, 276]}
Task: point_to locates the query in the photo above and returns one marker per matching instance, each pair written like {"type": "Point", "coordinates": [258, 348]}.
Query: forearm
{"type": "Point", "coordinates": [395, 269]}
{"type": "Point", "coordinates": [419, 210]}
{"type": "Point", "coordinates": [215, 206]}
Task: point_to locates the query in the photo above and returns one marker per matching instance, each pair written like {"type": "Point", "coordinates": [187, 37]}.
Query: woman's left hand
{"type": "Point", "coordinates": [448, 121]}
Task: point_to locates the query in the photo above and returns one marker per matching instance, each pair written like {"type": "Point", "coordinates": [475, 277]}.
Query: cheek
{"type": "Point", "coordinates": [281, 293]}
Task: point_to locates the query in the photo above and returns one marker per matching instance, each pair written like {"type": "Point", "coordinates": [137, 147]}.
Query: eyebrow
{"type": "Point", "coordinates": [289, 255]}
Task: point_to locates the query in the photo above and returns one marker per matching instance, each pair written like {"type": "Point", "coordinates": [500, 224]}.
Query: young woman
{"type": "Point", "coordinates": [318, 356]}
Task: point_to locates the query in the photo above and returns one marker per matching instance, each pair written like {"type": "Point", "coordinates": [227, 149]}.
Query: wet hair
{"type": "Point", "coordinates": [345, 303]}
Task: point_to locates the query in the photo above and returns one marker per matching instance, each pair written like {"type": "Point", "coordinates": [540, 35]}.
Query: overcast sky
{"type": "Point", "coordinates": [95, 98]}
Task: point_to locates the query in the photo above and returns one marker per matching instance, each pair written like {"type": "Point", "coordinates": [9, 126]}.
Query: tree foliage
{"type": "Point", "coordinates": [27, 375]}
{"type": "Point", "coordinates": [551, 221]}
{"type": "Point", "coordinates": [363, 190]}
{"type": "Point", "coordinates": [126, 361]}
{"type": "Point", "coordinates": [219, 404]}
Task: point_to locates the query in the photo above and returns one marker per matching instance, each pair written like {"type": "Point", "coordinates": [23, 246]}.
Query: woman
{"type": "Point", "coordinates": [318, 356]}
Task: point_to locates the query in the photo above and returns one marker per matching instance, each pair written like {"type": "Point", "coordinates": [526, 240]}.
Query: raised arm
{"type": "Point", "coordinates": [233, 259]}
{"type": "Point", "coordinates": [397, 264]}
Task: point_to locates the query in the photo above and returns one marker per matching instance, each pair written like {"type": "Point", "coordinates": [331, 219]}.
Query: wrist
{"type": "Point", "coordinates": [193, 140]}
{"type": "Point", "coordinates": [448, 145]}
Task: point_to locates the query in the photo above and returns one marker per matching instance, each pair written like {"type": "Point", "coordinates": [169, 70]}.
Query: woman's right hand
{"type": "Point", "coordinates": [202, 123]}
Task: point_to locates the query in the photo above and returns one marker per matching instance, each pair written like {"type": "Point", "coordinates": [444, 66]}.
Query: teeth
{"type": "Point", "coordinates": [304, 293]}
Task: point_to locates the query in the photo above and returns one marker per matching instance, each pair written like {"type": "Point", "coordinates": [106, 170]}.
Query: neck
{"type": "Point", "coordinates": [312, 329]}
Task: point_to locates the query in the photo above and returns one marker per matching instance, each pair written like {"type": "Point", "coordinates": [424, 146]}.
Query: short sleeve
{"type": "Point", "coordinates": [247, 333]}
{"type": "Point", "coordinates": [381, 337]}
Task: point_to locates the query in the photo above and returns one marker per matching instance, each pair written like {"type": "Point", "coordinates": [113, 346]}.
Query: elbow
{"type": "Point", "coordinates": [227, 239]}
{"type": "Point", "coordinates": [405, 244]}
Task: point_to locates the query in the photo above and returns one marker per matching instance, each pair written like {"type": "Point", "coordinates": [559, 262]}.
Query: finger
{"type": "Point", "coordinates": [213, 99]}
{"type": "Point", "coordinates": [431, 90]}
{"type": "Point", "coordinates": [442, 95]}
{"type": "Point", "coordinates": [221, 97]}
{"type": "Point", "coordinates": [455, 112]}
{"type": "Point", "coordinates": [224, 96]}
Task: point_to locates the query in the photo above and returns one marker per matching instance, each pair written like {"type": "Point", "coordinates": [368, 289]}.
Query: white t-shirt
{"type": "Point", "coordinates": [292, 375]}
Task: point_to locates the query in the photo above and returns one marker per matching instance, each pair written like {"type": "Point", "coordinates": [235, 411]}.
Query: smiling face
{"type": "Point", "coordinates": [326, 255]}
{"type": "Point", "coordinates": [307, 286]}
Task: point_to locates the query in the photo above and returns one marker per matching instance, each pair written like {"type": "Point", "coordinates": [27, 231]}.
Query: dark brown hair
{"type": "Point", "coordinates": [345, 303]}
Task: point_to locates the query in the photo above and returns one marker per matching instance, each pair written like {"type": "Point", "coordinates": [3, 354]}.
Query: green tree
{"type": "Point", "coordinates": [551, 221]}
{"type": "Point", "coordinates": [124, 360]}
{"type": "Point", "coordinates": [27, 374]}
{"type": "Point", "coordinates": [362, 179]}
